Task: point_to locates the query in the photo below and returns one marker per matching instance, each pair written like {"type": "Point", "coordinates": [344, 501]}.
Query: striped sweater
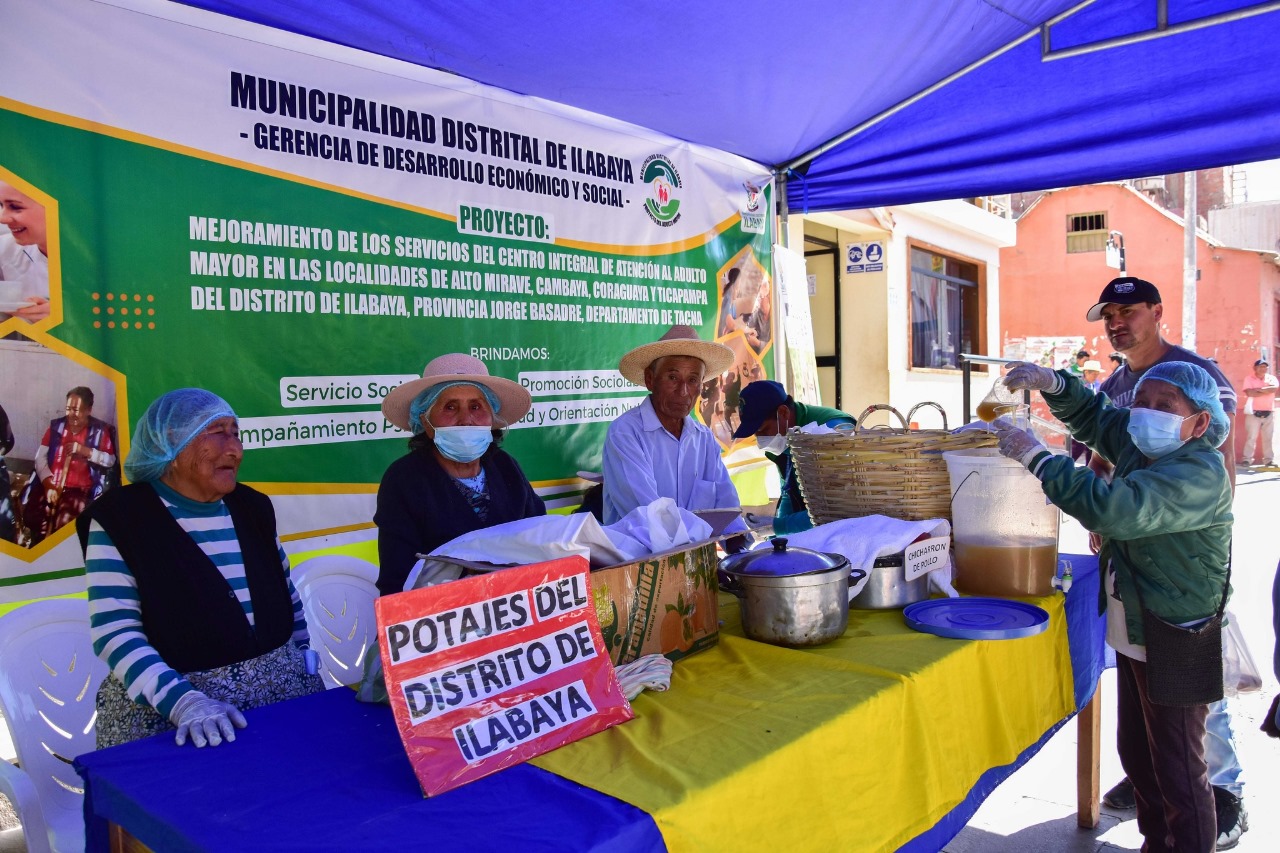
{"type": "Point", "coordinates": [115, 614]}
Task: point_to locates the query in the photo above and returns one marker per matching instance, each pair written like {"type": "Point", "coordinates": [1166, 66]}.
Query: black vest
{"type": "Point", "coordinates": [189, 612]}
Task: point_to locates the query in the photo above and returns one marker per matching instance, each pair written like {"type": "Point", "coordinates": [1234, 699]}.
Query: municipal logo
{"type": "Point", "coordinates": [751, 213]}
{"type": "Point", "coordinates": [663, 203]}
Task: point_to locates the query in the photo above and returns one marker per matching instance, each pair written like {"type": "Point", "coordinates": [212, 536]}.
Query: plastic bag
{"type": "Point", "coordinates": [1239, 672]}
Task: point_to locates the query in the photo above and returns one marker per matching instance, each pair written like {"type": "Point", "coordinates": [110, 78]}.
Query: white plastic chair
{"type": "Point", "coordinates": [49, 678]}
{"type": "Point", "coordinates": [337, 593]}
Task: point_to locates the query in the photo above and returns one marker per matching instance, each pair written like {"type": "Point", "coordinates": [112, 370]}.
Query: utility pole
{"type": "Point", "coordinates": [1189, 272]}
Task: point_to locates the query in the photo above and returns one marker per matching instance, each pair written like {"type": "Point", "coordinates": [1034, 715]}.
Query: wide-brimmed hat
{"type": "Point", "coordinates": [1092, 364]}
{"type": "Point", "coordinates": [678, 340]}
{"type": "Point", "coordinates": [513, 400]}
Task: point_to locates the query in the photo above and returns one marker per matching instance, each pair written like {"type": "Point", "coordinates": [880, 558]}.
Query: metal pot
{"type": "Point", "coordinates": [790, 596]}
{"type": "Point", "coordinates": [887, 587]}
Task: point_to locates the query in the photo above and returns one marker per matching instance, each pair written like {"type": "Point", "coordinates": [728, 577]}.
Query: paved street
{"type": "Point", "coordinates": [1034, 810]}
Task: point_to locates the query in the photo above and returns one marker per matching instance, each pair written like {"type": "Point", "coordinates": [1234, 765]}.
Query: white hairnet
{"type": "Point", "coordinates": [1201, 390]}
{"type": "Point", "coordinates": [167, 426]}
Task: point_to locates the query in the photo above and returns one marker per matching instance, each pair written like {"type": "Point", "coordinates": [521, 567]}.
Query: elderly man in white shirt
{"type": "Point", "coordinates": [657, 450]}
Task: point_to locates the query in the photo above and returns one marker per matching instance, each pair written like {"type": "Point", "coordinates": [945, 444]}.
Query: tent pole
{"type": "Point", "coordinates": [779, 324]}
{"type": "Point", "coordinates": [924, 93]}
{"type": "Point", "coordinates": [1162, 29]}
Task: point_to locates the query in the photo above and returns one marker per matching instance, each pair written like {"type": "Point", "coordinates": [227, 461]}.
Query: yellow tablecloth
{"type": "Point", "coordinates": [860, 744]}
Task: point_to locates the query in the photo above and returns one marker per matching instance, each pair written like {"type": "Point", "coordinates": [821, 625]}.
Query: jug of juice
{"type": "Point", "coordinates": [999, 401]}
{"type": "Point", "coordinates": [1004, 531]}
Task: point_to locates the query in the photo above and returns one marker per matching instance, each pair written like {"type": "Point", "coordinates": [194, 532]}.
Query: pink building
{"type": "Point", "coordinates": [1057, 268]}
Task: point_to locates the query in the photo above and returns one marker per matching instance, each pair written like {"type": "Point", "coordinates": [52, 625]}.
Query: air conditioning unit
{"type": "Point", "coordinates": [1148, 185]}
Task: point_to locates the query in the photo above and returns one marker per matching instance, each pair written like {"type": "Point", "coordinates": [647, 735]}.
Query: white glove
{"type": "Point", "coordinates": [206, 720]}
{"type": "Point", "coordinates": [1023, 375]}
{"type": "Point", "coordinates": [1018, 444]}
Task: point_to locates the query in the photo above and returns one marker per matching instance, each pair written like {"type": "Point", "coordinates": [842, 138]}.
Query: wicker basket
{"type": "Point", "coordinates": [879, 470]}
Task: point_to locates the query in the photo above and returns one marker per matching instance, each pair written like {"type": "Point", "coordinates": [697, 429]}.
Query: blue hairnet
{"type": "Point", "coordinates": [1201, 389]}
{"type": "Point", "coordinates": [423, 402]}
{"type": "Point", "coordinates": [167, 426]}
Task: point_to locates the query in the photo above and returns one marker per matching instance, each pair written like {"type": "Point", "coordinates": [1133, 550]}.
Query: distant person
{"type": "Point", "coordinates": [1116, 360]}
{"type": "Point", "coordinates": [768, 412]}
{"type": "Point", "coordinates": [1089, 373]}
{"type": "Point", "coordinates": [1260, 387]}
{"type": "Point", "coordinates": [1077, 366]}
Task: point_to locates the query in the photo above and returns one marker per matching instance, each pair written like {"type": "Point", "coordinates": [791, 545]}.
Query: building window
{"type": "Point", "coordinates": [1086, 232]}
{"type": "Point", "coordinates": [946, 310]}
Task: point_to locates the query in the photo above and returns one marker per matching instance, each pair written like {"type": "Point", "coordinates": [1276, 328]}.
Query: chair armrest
{"type": "Point", "coordinates": [18, 786]}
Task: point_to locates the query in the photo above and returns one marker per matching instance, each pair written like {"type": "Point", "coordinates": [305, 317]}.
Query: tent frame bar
{"type": "Point", "coordinates": [1162, 29]}
{"type": "Point", "coordinates": [924, 93]}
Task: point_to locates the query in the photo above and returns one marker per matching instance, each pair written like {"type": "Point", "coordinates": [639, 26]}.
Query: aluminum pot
{"type": "Point", "coordinates": [790, 596]}
{"type": "Point", "coordinates": [887, 587]}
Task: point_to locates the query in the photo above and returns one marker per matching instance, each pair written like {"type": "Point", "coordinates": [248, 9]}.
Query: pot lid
{"type": "Point", "coordinates": [976, 618]}
{"type": "Point", "coordinates": [781, 561]}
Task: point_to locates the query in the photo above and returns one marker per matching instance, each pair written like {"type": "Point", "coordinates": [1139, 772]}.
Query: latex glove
{"type": "Point", "coordinates": [206, 720]}
{"type": "Point", "coordinates": [1025, 376]}
{"type": "Point", "coordinates": [1019, 444]}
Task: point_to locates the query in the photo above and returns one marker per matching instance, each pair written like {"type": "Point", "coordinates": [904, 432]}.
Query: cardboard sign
{"type": "Point", "coordinates": [487, 672]}
{"type": "Point", "coordinates": [926, 555]}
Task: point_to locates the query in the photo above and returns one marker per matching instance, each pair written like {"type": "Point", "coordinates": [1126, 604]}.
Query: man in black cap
{"type": "Point", "coordinates": [1131, 311]}
{"type": "Point", "coordinates": [767, 412]}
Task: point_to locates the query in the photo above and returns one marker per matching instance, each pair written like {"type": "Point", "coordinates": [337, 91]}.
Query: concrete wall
{"type": "Point", "coordinates": [1047, 291]}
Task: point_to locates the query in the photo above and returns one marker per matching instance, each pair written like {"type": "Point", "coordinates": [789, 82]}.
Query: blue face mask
{"type": "Point", "coordinates": [1156, 433]}
{"type": "Point", "coordinates": [463, 443]}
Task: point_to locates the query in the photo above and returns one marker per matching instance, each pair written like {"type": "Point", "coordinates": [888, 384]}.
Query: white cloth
{"type": "Point", "coordinates": [660, 526]}
{"type": "Point", "coordinates": [863, 540]}
{"type": "Point", "coordinates": [651, 671]}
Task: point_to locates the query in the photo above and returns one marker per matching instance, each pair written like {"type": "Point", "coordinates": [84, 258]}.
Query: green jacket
{"type": "Point", "coordinates": [1165, 523]}
{"type": "Point", "coordinates": [791, 515]}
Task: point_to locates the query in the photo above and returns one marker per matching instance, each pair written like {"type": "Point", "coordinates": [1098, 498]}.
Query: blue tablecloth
{"type": "Point", "coordinates": [330, 774]}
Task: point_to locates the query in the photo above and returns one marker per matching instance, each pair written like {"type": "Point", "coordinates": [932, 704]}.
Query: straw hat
{"type": "Point", "coordinates": [1092, 364]}
{"type": "Point", "coordinates": [513, 400]}
{"type": "Point", "coordinates": [678, 340]}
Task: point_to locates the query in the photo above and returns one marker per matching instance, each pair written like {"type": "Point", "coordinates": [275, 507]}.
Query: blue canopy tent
{"type": "Point", "coordinates": [863, 104]}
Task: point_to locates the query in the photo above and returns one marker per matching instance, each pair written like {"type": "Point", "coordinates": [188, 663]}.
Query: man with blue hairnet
{"type": "Point", "coordinates": [1165, 522]}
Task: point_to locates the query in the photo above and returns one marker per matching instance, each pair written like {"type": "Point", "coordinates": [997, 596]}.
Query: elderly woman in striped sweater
{"type": "Point", "coordinates": [190, 600]}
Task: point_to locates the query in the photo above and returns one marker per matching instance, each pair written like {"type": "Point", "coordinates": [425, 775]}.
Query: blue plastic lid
{"type": "Point", "coordinates": [976, 618]}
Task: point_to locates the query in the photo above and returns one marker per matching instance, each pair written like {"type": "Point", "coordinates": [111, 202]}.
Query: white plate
{"type": "Point", "coordinates": [10, 305]}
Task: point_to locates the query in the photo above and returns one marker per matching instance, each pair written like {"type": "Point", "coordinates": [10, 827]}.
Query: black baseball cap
{"type": "Point", "coordinates": [1262, 361]}
{"type": "Point", "coordinates": [1126, 290]}
{"type": "Point", "coordinates": [759, 400]}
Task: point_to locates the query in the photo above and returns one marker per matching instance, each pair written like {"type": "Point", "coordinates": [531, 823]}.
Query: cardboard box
{"type": "Point", "coordinates": [659, 604]}
{"type": "Point", "coordinates": [662, 603]}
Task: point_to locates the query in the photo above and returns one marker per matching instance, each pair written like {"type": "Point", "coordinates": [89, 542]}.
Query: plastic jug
{"type": "Point", "coordinates": [1004, 532]}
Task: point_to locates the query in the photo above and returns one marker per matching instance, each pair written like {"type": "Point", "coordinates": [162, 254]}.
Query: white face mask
{"type": "Point", "coordinates": [774, 444]}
